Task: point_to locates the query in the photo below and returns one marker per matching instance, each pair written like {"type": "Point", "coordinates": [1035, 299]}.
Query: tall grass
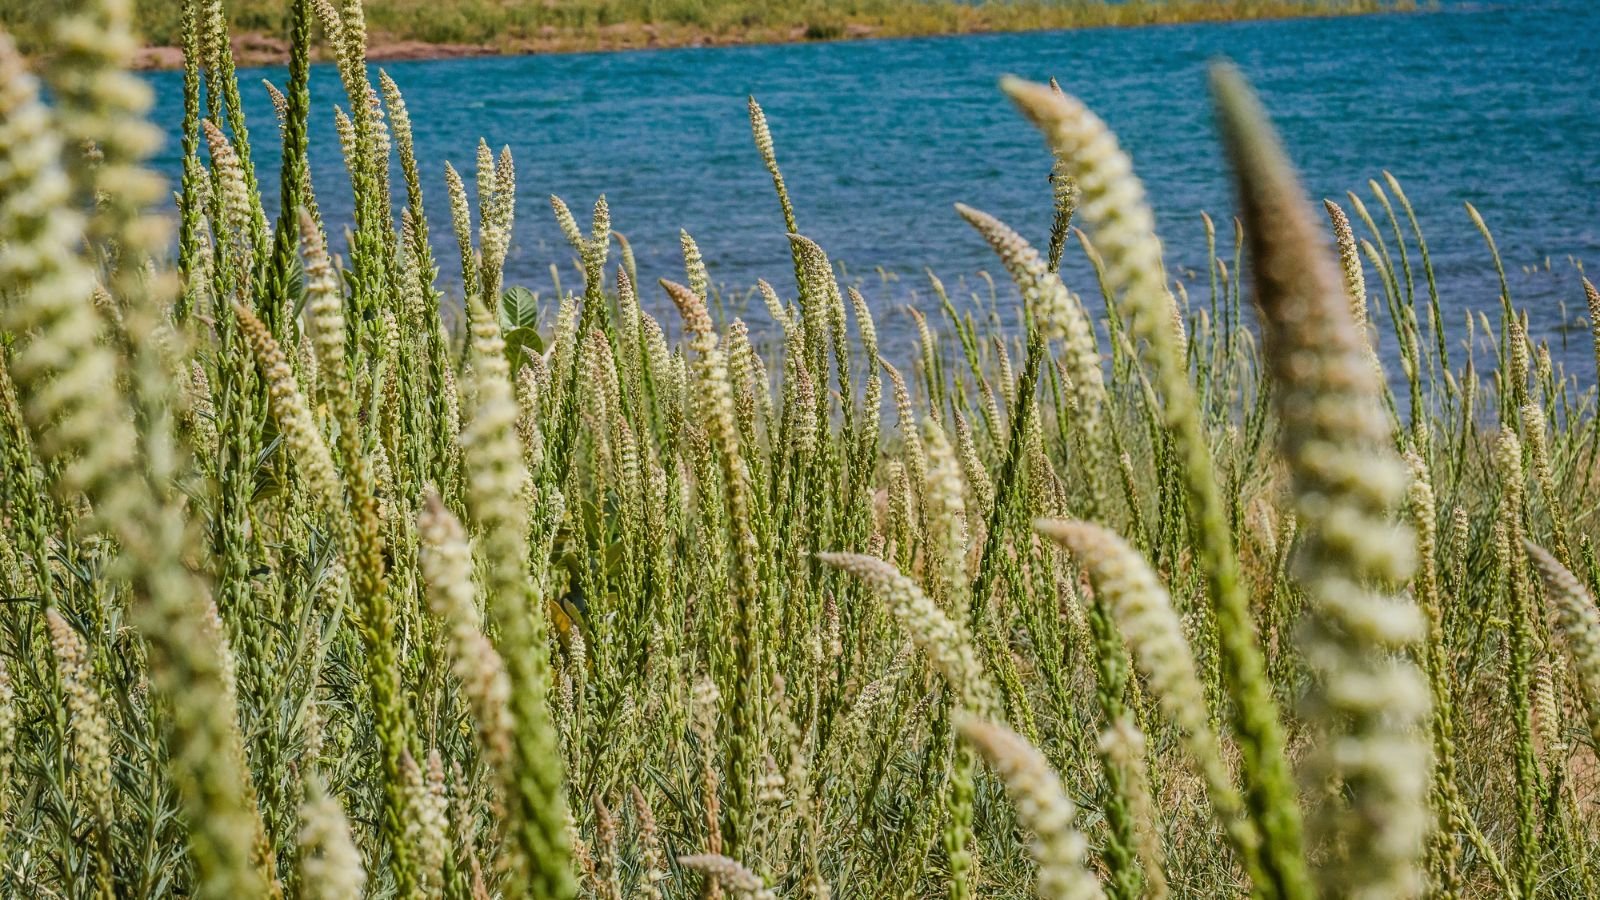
{"type": "Point", "coordinates": [321, 582]}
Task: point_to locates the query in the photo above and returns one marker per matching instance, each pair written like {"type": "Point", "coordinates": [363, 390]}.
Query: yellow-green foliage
{"type": "Point", "coordinates": [308, 595]}
{"type": "Point", "coordinates": [579, 24]}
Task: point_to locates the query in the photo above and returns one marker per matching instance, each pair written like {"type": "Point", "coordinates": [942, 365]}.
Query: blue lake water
{"type": "Point", "coordinates": [1493, 104]}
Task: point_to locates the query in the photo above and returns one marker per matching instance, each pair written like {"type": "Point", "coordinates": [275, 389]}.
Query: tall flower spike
{"type": "Point", "coordinates": [769, 157]}
{"type": "Point", "coordinates": [944, 640]}
{"type": "Point", "coordinates": [497, 191]}
{"type": "Point", "coordinates": [916, 455]}
{"type": "Point", "coordinates": [1051, 306]}
{"type": "Point", "coordinates": [775, 310]}
{"type": "Point", "coordinates": [1355, 283]}
{"type": "Point", "coordinates": [714, 396]}
{"type": "Point", "coordinates": [566, 222]}
{"type": "Point", "coordinates": [1335, 439]}
{"type": "Point", "coordinates": [973, 469]}
{"type": "Point", "coordinates": [324, 313]}
{"type": "Point", "coordinates": [429, 824]}
{"type": "Point", "coordinates": [1042, 806]}
{"type": "Point", "coordinates": [82, 422]}
{"type": "Point", "coordinates": [236, 199]}
{"type": "Point", "coordinates": [1144, 615]}
{"type": "Point", "coordinates": [461, 222]}
{"type": "Point", "coordinates": [300, 433]}
{"type": "Point", "coordinates": [728, 873]}
{"type": "Point", "coordinates": [86, 717]}
{"type": "Point", "coordinates": [1118, 216]}
{"type": "Point", "coordinates": [102, 104]}
{"type": "Point", "coordinates": [694, 266]}
{"type": "Point", "coordinates": [446, 561]}
{"type": "Point", "coordinates": [495, 482]}
{"type": "Point", "coordinates": [947, 514]}
{"type": "Point", "coordinates": [1578, 620]}
{"type": "Point", "coordinates": [330, 864]}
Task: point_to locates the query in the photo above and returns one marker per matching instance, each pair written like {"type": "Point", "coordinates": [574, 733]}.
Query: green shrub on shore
{"type": "Point", "coordinates": [521, 25]}
{"type": "Point", "coordinates": [307, 594]}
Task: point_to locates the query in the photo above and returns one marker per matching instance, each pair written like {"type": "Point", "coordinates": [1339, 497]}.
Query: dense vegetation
{"type": "Point", "coordinates": [516, 25]}
{"type": "Point", "coordinates": [308, 594]}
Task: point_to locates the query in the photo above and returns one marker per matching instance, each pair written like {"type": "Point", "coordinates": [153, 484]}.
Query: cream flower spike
{"type": "Point", "coordinates": [1043, 808]}
{"type": "Point", "coordinates": [1369, 701]}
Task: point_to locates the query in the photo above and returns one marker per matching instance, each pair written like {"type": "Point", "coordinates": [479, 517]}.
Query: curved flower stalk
{"type": "Point", "coordinates": [566, 222]}
{"type": "Point", "coordinates": [775, 308]}
{"type": "Point", "coordinates": [1370, 701]}
{"type": "Point", "coordinates": [234, 200]}
{"type": "Point", "coordinates": [713, 393]}
{"type": "Point", "coordinates": [495, 491]}
{"type": "Point", "coordinates": [1578, 620]}
{"type": "Point", "coordinates": [728, 873]}
{"type": "Point", "coordinates": [1042, 806]}
{"type": "Point", "coordinates": [446, 560]}
{"type": "Point", "coordinates": [944, 640]}
{"type": "Point", "coordinates": [1118, 217]}
{"type": "Point", "coordinates": [1052, 307]}
{"type": "Point", "coordinates": [769, 157]}
{"type": "Point", "coordinates": [1144, 615]}
{"type": "Point", "coordinates": [400, 121]}
{"type": "Point", "coordinates": [300, 433]}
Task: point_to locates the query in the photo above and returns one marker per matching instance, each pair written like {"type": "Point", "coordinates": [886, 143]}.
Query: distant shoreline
{"type": "Point", "coordinates": [257, 48]}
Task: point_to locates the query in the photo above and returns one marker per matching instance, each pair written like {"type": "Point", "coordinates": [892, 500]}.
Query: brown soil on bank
{"type": "Point", "coordinates": [257, 49]}
{"type": "Point", "coordinates": [254, 48]}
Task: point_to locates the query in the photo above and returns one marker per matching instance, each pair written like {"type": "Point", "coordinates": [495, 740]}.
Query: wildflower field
{"type": "Point", "coordinates": [327, 575]}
